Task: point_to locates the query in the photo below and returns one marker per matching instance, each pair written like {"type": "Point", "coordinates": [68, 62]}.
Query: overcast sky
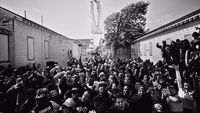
{"type": "Point", "coordinates": [72, 17]}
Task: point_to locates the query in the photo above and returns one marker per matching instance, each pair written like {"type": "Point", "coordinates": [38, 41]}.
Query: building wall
{"type": "Point", "coordinates": [20, 29]}
{"type": "Point", "coordinates": [83, 49]}
{"type": "Point", "coordinates": [122, 52]}
{"type": "Point", "coordinates": [75, 50]}
{"type": "Point", "coordinates": [58, 46]}
{"type": "Point", "coordinates": [147, 49]}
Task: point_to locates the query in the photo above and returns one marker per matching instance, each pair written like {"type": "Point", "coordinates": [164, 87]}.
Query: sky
{"type": "Point", "coordinates": [71, 18]}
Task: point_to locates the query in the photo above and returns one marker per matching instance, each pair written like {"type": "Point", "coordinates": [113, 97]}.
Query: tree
{"type": "Point", "coordinates": [122, 27]}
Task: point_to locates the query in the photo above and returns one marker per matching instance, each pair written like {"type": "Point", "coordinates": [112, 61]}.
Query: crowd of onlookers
{"type": "Point", "coordinates": [100, 86]}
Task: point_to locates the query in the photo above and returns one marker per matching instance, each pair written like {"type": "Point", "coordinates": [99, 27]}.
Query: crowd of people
{"type": "Point", "coordinates": [100, 86]}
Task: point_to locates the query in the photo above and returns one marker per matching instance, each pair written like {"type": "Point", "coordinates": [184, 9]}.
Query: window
{"type": "Point", "coordinates": [150, 48]}
{"type": "Point", "coordinates": [145, 50]}
{"type": "Point", "coordinates": [30, 48]}
{"type": "Point", "coordinates": [83, 51]}
{"type": "Point", "coordinates": [125, 51]}
{"type": "Point", "coordinates": [4, 48]}
{"type": "Point", "coordinates": [118, 51]}
{"type": "Point", "coordinates": [46, 49]}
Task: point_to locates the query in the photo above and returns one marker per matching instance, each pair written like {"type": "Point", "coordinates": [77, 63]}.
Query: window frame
{"type": "Point", "coordinates": [8, 39]}
{"type": "Point", "coordinates": [145, 49]}
{"type": "Point", "coordinates": [150, 49]}
{"type": "Point", "coordinates": [125, 51]}
{"type": "Point", "coordinates": [83, 50]}
{"type": "Point", "coordinates": [46, 41]}
{"type": "Point", "coordinates": [29, 59]}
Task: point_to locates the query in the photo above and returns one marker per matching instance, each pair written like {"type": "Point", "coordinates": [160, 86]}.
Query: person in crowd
{"type": "Point", "coordinates": [185, 92]}
{"type": "Point", "coordinates": [102, 85]}
{"type": "Point", "coordinates": [43, 104]}
{"type": "Point", "coordinates": [174, 101]}
{"type": "Point", "coordinates": [72, 103]}
{"type": "Point", "coordinates": [102, 102]}
{"type": "Point", "coordinates": [138, 100]}
{"type": "Point", "coordinates": [120, 105]}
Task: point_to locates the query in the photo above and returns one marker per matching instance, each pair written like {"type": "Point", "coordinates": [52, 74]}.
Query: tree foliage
{"type": "Point", "coordinates": [126, 25]}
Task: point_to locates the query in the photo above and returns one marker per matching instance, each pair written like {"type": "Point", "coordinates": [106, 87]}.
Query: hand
{"type": "Point", "coordinates": [79, 109]}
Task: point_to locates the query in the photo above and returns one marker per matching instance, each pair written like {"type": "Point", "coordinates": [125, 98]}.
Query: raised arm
{"type": "Point", "coordinates": [178, 76]}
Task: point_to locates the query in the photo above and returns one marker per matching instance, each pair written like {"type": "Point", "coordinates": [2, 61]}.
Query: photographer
{"type": "Point", "coordinates": [17, 94]}
{"type": "Point", "coordinates": [165, 51]}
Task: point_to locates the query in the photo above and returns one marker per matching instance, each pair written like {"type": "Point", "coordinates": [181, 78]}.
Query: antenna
{"type": "Point", "coordinates": [42, 20]}
{"type": "Point", "coordinates": [25, 14]}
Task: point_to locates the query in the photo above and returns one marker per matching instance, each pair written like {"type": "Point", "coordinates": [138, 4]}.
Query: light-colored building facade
{"type": "Point", "coordinates": [182, 28]}
{"type": "Point", "coordinates": [85, 46]}
{"type": "Point", "coordinates": [23, 41]}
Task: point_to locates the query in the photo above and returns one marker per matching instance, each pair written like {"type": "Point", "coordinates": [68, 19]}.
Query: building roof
{"type": "Point", "coordinates": [178, 22]}
{"type": "Point", "coordinates": [25, 19]}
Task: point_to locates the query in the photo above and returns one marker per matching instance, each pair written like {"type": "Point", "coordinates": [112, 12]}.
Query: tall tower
{"type": "Point", "coordinates": [97, 28]}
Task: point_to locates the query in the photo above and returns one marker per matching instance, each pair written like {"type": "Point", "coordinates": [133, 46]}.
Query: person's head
{"type": "Point", "coordinates": [145, 78]}
{"type": "Point", "coordinates": [102, 87]}
{"type": "Point", "coordinates": [121, 76]}
{"type": "Point", "coordinates": [141, 90]}
{"type": "Point", "coordinates": [195, 35]}
{"type": "Point", "coordinates": [120, 103]}
{"type": "Point", "coordinates": [86, 97]}
{"type": "Point", "coordinates": [68, 75]}
{"type": "Point", "coordinates": [126, 90]}
{"type": "Point", "coordinates": [173, 89]}
{"type": "Point", "coordinates": [186, 86]}
{"type": "Point", "coordinates": [185, 74]}
{"type": "Point", "coordinates": [157, 94]}
{"type": "Point", "coordinates": [75, 78]}
{"type": "Point", "coordinates": [127, 81]}
{"type": "Point", "coordinates": [158, 108]}
{"type": "Point", "coordinates": [114, 86]}
{"type": "Point", "coordinates": [164, 42]}
{"type": "Point", "coordinates": [102, 76]}
{"type": "Point", "coordinates": [74, 93]}
{"type": "Point", "coordinates": [90, 80]}
{"type": "Point", "coordinates": [111, 79]}
{"type": "Point", "coordinates": [137, 85]}
{"type": "Point", "coordinates": [41, 96]}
